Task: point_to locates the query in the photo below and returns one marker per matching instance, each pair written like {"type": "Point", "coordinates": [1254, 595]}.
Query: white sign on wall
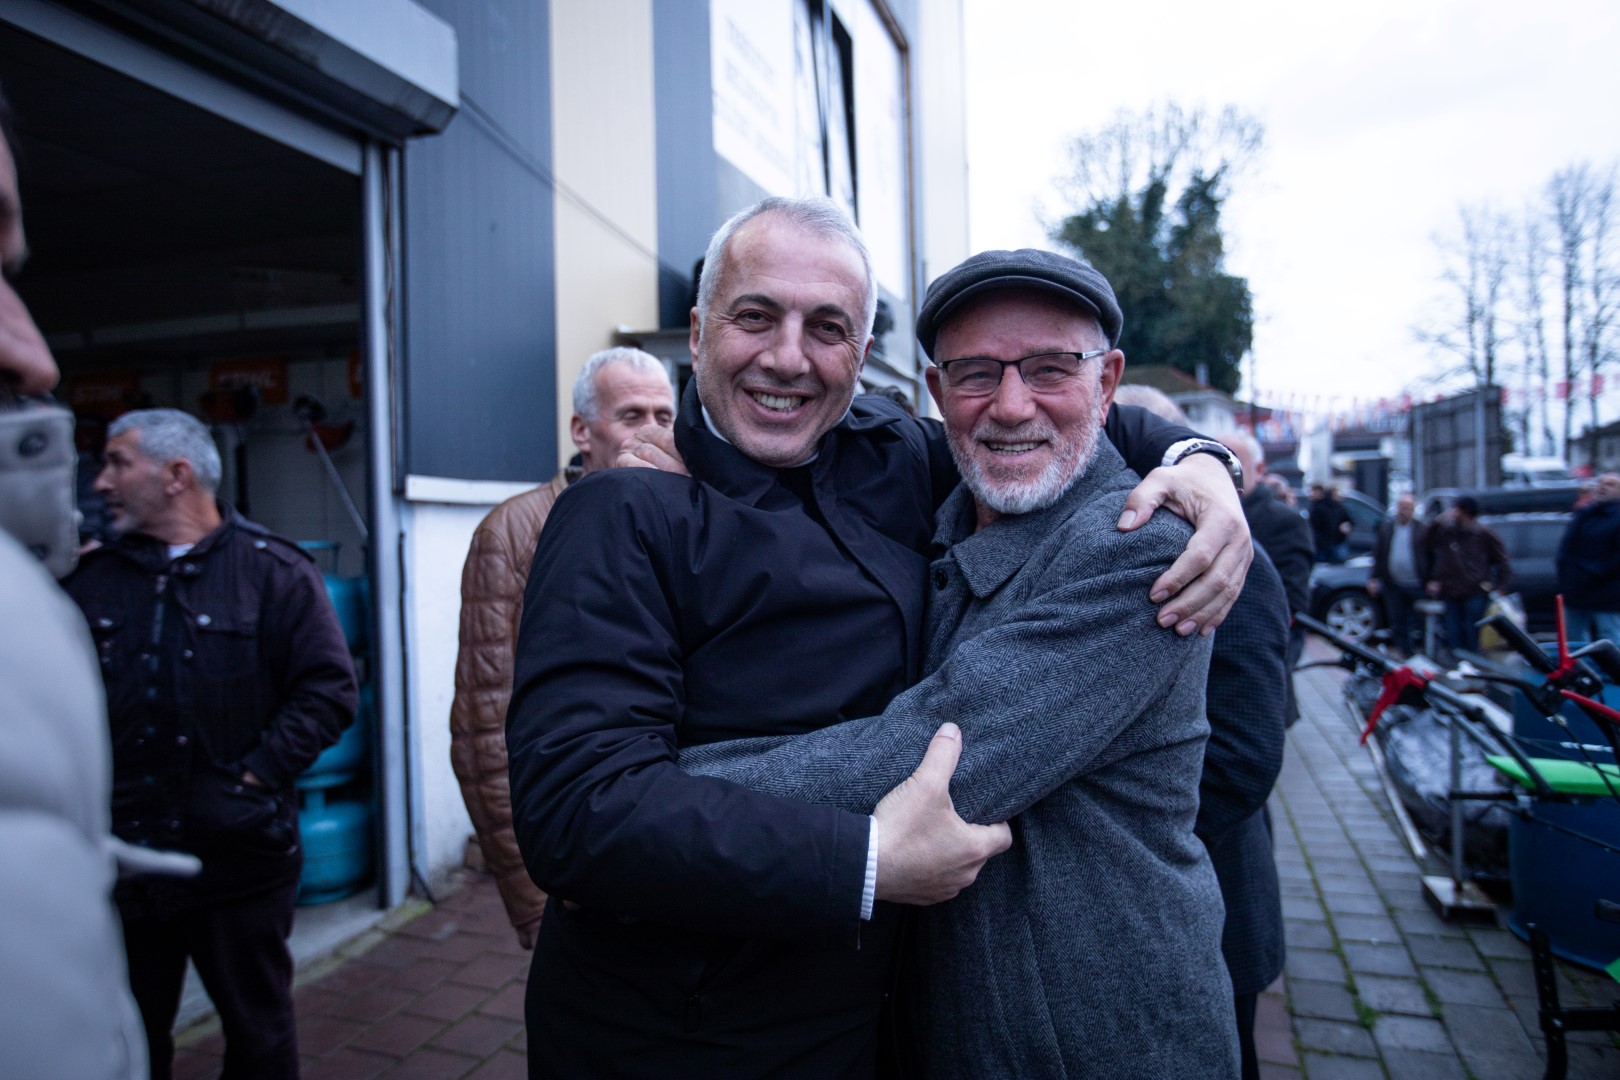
{"type": "Point", "coordinates": [751, 61]}
{"type": "Point", "coordinates": [880, 148]}
{"type": "Point", "coordinates": [766, 114]}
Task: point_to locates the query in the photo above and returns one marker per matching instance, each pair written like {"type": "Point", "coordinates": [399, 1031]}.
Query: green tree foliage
{"type": "Point", "coordinates": [1151, 187]}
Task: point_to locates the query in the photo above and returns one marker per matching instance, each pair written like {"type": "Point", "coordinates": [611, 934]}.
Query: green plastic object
{"type": "Point", "coordinates": [1614, 970]}
{"type": "Point", "coordinates": [1564, 777]}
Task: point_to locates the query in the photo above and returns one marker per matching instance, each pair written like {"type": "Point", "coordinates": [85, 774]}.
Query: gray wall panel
{"type": "Point", "coordinates": [479, 238]}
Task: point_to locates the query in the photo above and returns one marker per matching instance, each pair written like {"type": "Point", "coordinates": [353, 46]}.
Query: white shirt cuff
{"type": "Point", "coordinates": [869, 890]}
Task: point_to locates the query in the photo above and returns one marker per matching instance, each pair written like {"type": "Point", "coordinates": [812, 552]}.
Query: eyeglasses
{"type": "Point", "coordinates": [1043, 373]}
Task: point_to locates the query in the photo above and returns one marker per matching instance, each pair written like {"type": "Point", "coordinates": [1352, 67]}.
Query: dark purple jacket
{"type": "Point", "coordinates": [228, 658]}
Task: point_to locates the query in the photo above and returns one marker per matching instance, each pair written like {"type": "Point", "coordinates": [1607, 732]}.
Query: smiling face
{"type": "Point", "coordinates": [1019, 451]}
{"type": "Point", "coordinates": [777, 358]}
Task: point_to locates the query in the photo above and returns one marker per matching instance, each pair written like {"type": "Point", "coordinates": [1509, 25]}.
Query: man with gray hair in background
{"type": "Point", "coordinates": [618, 391]}
{"type": "Point", "coordinates": [226, 675]}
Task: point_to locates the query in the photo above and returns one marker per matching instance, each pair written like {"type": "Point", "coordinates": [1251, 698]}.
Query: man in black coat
{"type": "Point", "coordinates": [1248, 697]}
{"type": "Point", "coordinates": [1589, 565]}
{"type": "Point", "coordinates": [1286, 537]}
{"type": "Point", "coordinates": [227, 674]}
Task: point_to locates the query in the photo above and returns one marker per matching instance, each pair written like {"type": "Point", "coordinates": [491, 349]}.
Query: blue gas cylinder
{"type": "Point", "coordinates": [347, 758]}
{"type": "Point", "coordinates": [337, 839]}
{"type": "Point", "coordinates": [351, 596]}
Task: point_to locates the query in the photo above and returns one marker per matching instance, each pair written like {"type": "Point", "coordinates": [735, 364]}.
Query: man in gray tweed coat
{"type": "Point", "coordinates": [1092, 948]}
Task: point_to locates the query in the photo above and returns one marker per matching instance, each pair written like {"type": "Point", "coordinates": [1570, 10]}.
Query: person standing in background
{"type": "Point", "coordinates": [1589, 565]}
{"type": "Point", "coordinates": [1397, 572]}
{"type": "Point", "coordinates": [1467, 563]}
{"type": "Point", "coordinates": [616, 392]}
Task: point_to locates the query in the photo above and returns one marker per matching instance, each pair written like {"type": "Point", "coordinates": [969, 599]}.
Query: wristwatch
{"type": "Point", "coordinates": [1179, 451]}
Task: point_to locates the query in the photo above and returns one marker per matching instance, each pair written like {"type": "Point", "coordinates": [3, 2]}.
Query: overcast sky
{"type": "Point", "coordinates": [1380, 118]}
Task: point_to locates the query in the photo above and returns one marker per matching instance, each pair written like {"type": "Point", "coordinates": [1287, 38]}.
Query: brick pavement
{"type": "Point", "coordinates": [1376, 986]}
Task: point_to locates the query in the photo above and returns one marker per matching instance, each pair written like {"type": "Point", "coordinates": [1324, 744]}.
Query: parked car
{"type": "Point", "coordinates": [1549, 499]}
{"type": "Point", "coordinates": [1340, 599]}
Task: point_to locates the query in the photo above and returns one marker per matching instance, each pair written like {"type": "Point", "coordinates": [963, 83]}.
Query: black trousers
{"type": "Point", "coordinates": [240, 949]}
{"type": "Point", "coordinates": [1246, 1005]}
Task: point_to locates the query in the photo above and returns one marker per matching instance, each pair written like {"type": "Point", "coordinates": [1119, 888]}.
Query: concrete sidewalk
{"type": "Point", "coordinates": [1376, 987]}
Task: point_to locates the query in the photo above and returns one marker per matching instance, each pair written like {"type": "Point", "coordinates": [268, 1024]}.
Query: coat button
{"type": "Point", "coordinates": [941, 579]}
{"type": "Point", "coordinates": [203, 620]}
{"type": "Point", "coordinates": [105, 624]}
{"type": "Point", "coordinates": [186, 653]}
{"type": "Point", "coordinates": [179, 740]}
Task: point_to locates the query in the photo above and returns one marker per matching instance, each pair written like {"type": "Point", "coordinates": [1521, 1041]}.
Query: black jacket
{"type": "Point", "coordinates": [1328, 518]}
{"type": "Point", "coordinates": [1380, 553]}
{"type": "Point", "coordinates": [719, 929]}
{"type": "Point", "coordinates": [1286, 536]}
{"type": "Point", "coordinates": [228, 658]}
{"type": "Point", "coordinates": [1247, 702]}
{"type": "Point", "coordinates": [1589, 558]}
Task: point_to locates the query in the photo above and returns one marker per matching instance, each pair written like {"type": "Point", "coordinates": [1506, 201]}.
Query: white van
{"type": "Point", "coordinates": [1524, 470]}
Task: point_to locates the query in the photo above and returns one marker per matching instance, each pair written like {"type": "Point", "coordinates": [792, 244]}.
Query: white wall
{"type": "Point", "coordinates": [604, 151]}
{"type": "Point", "coordinates": [437, 536]}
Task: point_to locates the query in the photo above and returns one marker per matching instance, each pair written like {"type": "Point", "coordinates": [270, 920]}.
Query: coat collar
{"type": "Point", "coordinates": [990, 557]}
{"type": "Point", "coordinates": [717, 463]}
{"type": "Point", "coordinates": [151, 552]}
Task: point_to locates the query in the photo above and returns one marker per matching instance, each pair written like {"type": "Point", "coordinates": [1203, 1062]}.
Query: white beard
{"type": "Point", "coordinates": [1072, 453]}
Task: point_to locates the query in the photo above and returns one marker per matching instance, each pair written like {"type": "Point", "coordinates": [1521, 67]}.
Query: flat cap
{"type": "Point", "coordinates": [1026, 268]}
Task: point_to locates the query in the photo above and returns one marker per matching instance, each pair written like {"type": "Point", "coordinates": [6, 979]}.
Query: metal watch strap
{"type": "Point", "coordinates": [1180, 451]}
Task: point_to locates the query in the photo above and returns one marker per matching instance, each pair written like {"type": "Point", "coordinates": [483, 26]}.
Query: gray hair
{"type": "Point", "coordinates": [585, 404]}
{"type": "Point", "coordinates": [1152, 399]}
{"type": "Point", "coordinates": [815, 214]}
{"type": "Point", "coordinates": [171, 435]}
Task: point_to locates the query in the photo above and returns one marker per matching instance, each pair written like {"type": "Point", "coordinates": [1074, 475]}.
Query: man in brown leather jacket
{"type": "Point", "coordinates": [618, 391]}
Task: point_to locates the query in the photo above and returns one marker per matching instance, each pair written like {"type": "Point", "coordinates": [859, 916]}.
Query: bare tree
{"type": "Point", "coordinates": [1162, 144]}
{"type": "Point", "coordinates": [1505, 278]}
{"type": "Point", "coordinates": [1530, 271]}
{"type": "Point", "coordinates": [1475, 271]}
{"type": "Point", "coordinates": [1601, 285]}
{"type": "Point", "coordinates": [1567, 199]}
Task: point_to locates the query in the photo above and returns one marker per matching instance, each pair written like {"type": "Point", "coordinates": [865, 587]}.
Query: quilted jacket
{"type": "Point", "coordinates": [492, 584]}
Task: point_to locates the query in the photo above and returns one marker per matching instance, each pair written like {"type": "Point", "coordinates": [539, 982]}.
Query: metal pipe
{"type": "Point", "coordinates": [1458, 869]}
{"type": "Point", "coordinates": [384, 553]}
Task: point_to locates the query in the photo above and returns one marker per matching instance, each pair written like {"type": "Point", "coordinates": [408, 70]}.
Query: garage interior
{"type": "Point", "coordinates": [181, 260]}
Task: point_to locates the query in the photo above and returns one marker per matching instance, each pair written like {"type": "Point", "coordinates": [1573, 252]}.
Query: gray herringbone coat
{"type": "Point", "coordinates": [1092, 948]}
